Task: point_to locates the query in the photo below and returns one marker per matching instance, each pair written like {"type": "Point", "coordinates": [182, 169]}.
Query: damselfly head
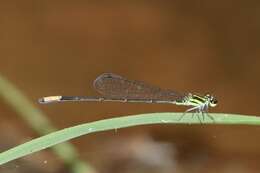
{"type": "Point", "coordinates": [212, 100]}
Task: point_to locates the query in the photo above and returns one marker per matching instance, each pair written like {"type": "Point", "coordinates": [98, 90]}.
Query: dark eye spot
{"type": "Point", "coordinates": [214, 101]}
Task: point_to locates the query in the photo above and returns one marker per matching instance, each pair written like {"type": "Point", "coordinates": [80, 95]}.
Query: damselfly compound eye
{"type": "Point", "coordinates": [213, 101]}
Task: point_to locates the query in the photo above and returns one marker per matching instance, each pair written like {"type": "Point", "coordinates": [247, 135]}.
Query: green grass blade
{"type": "Point", "coordinates": [39, 122]}
{"type": "Point", "coordinates": [120, 122]}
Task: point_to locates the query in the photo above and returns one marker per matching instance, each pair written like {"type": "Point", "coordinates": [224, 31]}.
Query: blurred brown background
{"type": "Point", "coordinates": [59, 47]}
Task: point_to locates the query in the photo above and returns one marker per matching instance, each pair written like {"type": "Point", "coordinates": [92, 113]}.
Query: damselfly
{"type": "Point", "coordinates": [113, 87]}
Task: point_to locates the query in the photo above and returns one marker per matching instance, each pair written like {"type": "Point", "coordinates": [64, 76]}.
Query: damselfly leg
{"type": "Point", "coordinates": [206, 112]}
{"type": "Point", "coordinates": [196, 108]}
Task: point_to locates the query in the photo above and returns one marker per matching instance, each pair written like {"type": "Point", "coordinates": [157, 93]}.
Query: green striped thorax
{"type": "Point", "coordinates": [199, 102]}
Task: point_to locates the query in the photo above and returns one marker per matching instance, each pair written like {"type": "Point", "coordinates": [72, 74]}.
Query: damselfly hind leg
{"type": "Point", "coordinates": [182, 116]}
{"type": "Point", "coordinates": [189, 110]}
